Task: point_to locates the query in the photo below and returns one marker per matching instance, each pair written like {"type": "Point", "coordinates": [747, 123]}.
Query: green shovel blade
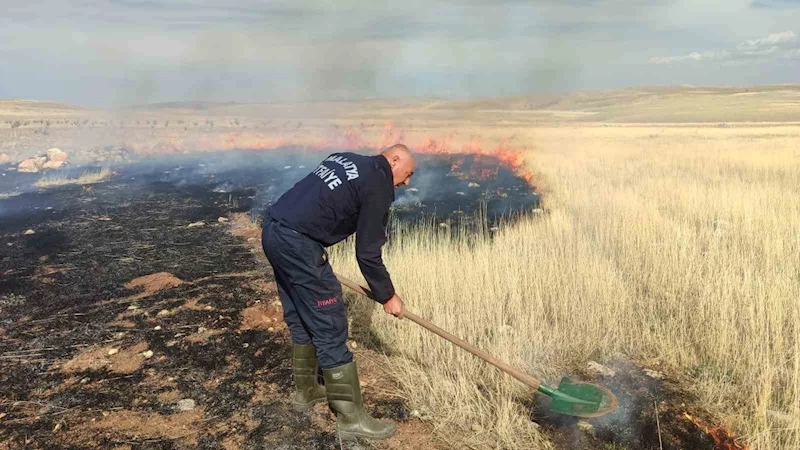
{"type": "Point", "coordinates": [580, 399]}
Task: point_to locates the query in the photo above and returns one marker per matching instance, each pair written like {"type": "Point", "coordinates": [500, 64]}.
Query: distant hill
{"type": "Point", "coordinates": [655, 104]}
{"type": "Point", "coordinates": [38, 108]}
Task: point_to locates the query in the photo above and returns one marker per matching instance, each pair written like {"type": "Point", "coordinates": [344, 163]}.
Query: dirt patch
{"type": "Point", "coordinates": [243, 227]}
{"type": "Point", "coordinates": [141, 426]}
{"type": "Point", "coordinates": [122, 324]}
{"type": "Point", "coordinates": [202, 335]}
{"type": "Point", "coordinates": [260, 316]}
{"type": "Point", "coordinates": [194, 304]}
{"type": "Point", "coordinates": [169, 397]}
{"type": "Point", "coordinates": [123, 361]}
{"type": "Point", "coordinates": [154, 282]}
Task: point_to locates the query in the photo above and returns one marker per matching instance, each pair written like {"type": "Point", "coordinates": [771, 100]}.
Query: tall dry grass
{"type": "Point", "coordinates": [87, 177]}
{"type": "Point", "coordinates": [672, 246]}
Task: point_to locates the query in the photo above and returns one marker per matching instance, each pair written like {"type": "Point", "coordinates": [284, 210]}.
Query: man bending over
{"type": "Point", "coordinates": [347, 193]}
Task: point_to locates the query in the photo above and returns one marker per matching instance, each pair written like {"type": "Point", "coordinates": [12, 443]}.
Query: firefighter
{"type": "Point", "coordinates": [347, 193]}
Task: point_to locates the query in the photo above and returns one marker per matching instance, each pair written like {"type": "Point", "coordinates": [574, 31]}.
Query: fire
{"type": "Point", "coordinates": [722, 440]}
{"type": "Point", "coordinates": [484, 163]}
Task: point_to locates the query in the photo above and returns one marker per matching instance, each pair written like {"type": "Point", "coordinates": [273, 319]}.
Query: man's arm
{"type": "Point", "coordinates": [370, 237]}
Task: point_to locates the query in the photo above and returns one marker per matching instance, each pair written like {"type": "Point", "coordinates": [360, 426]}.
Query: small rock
{"type": "Point", "coordinates": [186, 404]}
{"type": "Point", "coordinates": [113, 351]}
{"type": "Point", "coordinates": [245, 345]}
{"type": "Point", "coordinates": [653, 374]}
{"type": "Point", "coordinates": [209, 307]}
{"type": "Point", "coordinates": [287, 167]}
{"type": "Point", "coordinates": [596, 368]}
{"type": "Point", "coordinates": [585, 426]}
{"type": "Point", "coordinates": [171, 343]}
{"type": "Point", "coordinates": [52, 164]}
{"type": "Point", "coordinates": [196, 224]}
{"type": "Point", "coordinates": [476, 427]}
{"type": "Point", "coordinates": [157, 328]}
{"type": "Point", "coordinates": [164, 313]}
{"type": "Point", "coordinates": [32, 165]}
{"type": "Point", "coordinates": [133, 308]}
{"type": "Point", "coordinates": [353, 344]}
{"type": "Point", "coordinates": [29, 232]}
{"type": "Point", "coordinates": [201, 330]}
{"type": "Point", "coordinates": [460, 193]}
{"type": "Point", "coordinates": [222, 219]}
{"type": "Point", "coordinates": [119, 335]}
{"type": "Point", "coordinates": [412, 190]}
{"type": "Point", "coordinates": [147, 354]}
{"type": "Point", "coordinates": [270, 329]}
{"type": "Point", "coordinates": [2, 415]}
{"type": "Point", "coordinates": [473, 185]}
{"type": "Point", "coordinates": [55, 154]}
{"type": "Point", "coordinates": [85, 380]}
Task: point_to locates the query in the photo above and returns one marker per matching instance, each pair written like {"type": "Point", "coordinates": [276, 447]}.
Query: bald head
{"type": "Point", "coordinates": [402, 163]}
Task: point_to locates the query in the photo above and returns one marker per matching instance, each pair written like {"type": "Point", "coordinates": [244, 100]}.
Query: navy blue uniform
{"type": "Point", "coordinates": [347, 193]}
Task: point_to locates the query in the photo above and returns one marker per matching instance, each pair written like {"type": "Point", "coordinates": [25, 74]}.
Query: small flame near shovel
{"type": "Point", "coordinates": [571, 398]}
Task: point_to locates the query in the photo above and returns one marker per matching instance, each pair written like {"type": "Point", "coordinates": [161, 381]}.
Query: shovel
{"type": "Point", "coordinates": [572, 398]}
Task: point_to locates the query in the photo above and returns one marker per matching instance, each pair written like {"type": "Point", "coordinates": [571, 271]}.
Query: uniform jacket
{"type": "Point", "coordinates": [347, 193]}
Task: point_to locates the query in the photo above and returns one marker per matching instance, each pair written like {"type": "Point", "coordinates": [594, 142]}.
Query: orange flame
{"type": "Point", "coordinates": [484, 163]}
{"type": "Point", "coordinates": [722, 439]}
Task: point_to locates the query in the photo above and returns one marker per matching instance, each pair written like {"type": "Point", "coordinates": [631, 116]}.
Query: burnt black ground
{"type": "Point", "coordinates": [62, 291]}
{"type": "Point", "coordinates": [100, 240]}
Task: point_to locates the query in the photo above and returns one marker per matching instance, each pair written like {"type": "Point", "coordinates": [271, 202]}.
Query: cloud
{"type": "Point", "coordinates": [785, 45]}
{"type": "Point", "coordinates": [121, 51]}
{"type": "Point", "coordinates": [775, 4]}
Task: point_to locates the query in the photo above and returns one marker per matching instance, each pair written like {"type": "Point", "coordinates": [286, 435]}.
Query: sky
{"type": "Point", "coordinates": [121, 52]}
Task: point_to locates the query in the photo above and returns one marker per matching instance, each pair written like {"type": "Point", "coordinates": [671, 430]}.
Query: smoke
{"type": "Point", "coordinates": [119, 52]}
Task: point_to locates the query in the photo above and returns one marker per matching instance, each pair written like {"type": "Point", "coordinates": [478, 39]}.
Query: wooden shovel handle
{"type": "Point", "coordinates": [521, 376]}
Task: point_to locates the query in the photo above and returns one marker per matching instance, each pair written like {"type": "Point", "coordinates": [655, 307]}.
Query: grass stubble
{"type": "Point", "coordinates": [675, 247]}
{"type": "Point", "coordinates": [86, 178]}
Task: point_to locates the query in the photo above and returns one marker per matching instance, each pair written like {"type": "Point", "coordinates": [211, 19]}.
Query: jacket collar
{"type": "Point", "coordinates": [387, 170]}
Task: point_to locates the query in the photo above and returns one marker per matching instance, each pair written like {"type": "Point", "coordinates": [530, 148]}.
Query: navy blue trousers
{"type": "Point", "coordinates": [309, 291]}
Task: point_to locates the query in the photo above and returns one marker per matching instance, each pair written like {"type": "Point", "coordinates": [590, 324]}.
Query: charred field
{"type": "Point", "coordinates": [131, 316]}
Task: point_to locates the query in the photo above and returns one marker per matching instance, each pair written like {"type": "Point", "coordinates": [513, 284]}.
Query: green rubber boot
{"type": "Point", "coordinates": [304, 371]}
{"type": "Point", "coordinates": [344, 396]}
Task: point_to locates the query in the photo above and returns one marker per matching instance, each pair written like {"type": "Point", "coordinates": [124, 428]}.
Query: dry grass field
{"type": "Point", "coordinates": [87, 177]}
{"type": "Point", "coordinates": [675, 247]}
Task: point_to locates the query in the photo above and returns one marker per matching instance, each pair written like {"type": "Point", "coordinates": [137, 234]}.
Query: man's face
{"type": "Point", "coordinates": [402, 170]}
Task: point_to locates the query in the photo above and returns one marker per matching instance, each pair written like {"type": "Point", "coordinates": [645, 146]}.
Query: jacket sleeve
{"type": "Point", "coordinates": [370, 237]}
